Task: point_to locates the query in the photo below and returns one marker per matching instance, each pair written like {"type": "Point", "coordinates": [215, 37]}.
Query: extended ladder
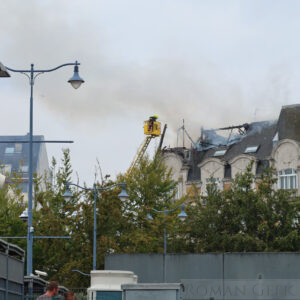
{"type": "Point", "coordinates": [140, 153]}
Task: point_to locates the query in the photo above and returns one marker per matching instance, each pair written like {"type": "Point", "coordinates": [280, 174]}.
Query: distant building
{"type": "Point", "coordinates": [14, 158]}
{"type": "Point", "coordinates": [264, 143]}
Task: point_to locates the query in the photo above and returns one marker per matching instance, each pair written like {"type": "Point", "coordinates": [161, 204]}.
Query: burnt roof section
{"type": "Point", "coordinates": [289, 123]}
{"type": "Point", "coordinates": [259, 134]}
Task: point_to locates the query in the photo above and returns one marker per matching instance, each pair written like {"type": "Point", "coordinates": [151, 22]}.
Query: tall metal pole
{"type": "Point", "coordinates": [123, 195]}
{"type": "Point", "coordinates": [165, 247]}
{"type": "Point", "coordinates": [183, 133]}
{"type": "Point", "coordinates": [95, 229]}
{"type": "Point", "coordinates": [76, 81]}
{"type": "Point", "coordinates": [182, 216]}
{"type": "Point", "coordinates": [29, 228]}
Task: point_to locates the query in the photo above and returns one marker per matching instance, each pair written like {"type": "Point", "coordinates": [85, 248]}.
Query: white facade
{"type": "Point", "coordinates": [178, 171]}
{"type": "Point", "coordinates": [212, 168]}
{"type": "Point", "coordinates": [285, 158]}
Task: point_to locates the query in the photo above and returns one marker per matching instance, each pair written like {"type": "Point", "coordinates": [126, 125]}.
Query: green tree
{"type": "Point", "coordinates": [149, 185]}
{"type": "Point", "coordinates": [11, 207]}
{"type": "Point", "coordinates": [246, 219]}
{"type": "Point", "coordinates": [53, 217]}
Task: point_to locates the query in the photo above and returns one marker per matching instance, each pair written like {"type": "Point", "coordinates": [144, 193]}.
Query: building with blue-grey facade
{"type": "Point", "coordinates": [14, 158]}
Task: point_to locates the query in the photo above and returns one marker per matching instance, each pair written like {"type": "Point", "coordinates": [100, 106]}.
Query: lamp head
{"type": "Point", "coordinates": [67, 195]}
{"type": "Point", "coordinates": [76, 80]}
{"type": "Point", "coordinates": [123, 195]}
{"type": "Point", "coordinates": [149, 217]}
{"type": "Point", "coordinates": [24, 215]}
{"type": "Point", "coordinates": [182, 215]}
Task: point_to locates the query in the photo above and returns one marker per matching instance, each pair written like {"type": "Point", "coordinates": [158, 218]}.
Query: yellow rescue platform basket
{"type": "Point", "coordinates": [152, 128]}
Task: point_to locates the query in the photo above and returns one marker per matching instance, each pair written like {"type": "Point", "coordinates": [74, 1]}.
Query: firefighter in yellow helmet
{"type": "Point", "coordinates": [152, 119]}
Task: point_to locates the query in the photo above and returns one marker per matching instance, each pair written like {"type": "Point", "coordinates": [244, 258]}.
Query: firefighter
{"type": "Point", "coordinates": [152, 119]}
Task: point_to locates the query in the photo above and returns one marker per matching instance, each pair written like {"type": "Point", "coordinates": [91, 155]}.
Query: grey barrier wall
{"type": "Point", "coordinates": [11, 271]}
{"type": "Point", "coordinates": [262, 265]}
{"type": "Point", "coordinates": [149, 267]}
{"type": "Point", "coordinates": [219, 276]}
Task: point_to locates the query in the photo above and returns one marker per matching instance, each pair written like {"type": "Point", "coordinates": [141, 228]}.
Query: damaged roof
{"type": "Point", "coordinates": [258, 141]}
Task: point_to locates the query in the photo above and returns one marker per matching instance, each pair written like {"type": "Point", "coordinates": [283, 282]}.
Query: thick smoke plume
{"type": "Point", "coordinates": [175, 89]}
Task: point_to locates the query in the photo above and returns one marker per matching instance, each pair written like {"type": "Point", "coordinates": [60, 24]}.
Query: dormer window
{"type": "Point", "coordinates": [251, 149]}
{"type": "Point", "coordinates": [220, 152]}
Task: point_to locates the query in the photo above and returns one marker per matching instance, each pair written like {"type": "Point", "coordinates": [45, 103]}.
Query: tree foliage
{"type": "Point", "coordinates": [245, 218]}
{"type": "Point", "coordinates": [242, 218]}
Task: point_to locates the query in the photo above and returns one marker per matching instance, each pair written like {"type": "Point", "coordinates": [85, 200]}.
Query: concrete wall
{"type": "Point", "coordinates": [149, 267]}
{"type": "Point", "coordinates": [217, 275]}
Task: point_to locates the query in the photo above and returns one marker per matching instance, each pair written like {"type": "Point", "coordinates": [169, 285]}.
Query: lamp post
{"type": "Point", "coordinates": [32, 73]}
{"type": "Point", "coordinates": [182, 216]}
{"type": "Point", "coordinates": [123, 196]}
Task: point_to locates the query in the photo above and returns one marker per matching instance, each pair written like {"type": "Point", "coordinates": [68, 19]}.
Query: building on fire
{"type": "Point", "coordinates": [266, 143]}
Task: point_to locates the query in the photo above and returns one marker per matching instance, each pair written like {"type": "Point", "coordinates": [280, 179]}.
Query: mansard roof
{"type": "Point", "coordinates": [288, 125]}
{"type": "Point", "coordinates": [258, 138]}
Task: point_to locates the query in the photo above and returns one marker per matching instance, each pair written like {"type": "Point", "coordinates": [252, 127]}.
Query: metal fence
{"type": "Point", "coordinates": [11, 271]}
{"type": "Point", "coordinates": [80, 293]}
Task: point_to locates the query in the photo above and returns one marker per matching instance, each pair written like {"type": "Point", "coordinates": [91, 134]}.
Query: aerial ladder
{"type": "Point", "coordinates": [152, 129]}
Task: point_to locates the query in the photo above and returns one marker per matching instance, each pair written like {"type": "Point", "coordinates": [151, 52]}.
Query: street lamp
{"type": "Point", "coordinates": [123, 196]}
{"type": "Point", "coordinates": [32, 73]}
{"type": "Point", "coordinates": [182, 216]}
{"type": "Point", "coordinates": [24, 215]}
{"type": "Point", "coordinates": [76, 80]}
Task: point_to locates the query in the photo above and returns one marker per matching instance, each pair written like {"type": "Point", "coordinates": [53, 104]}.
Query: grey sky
{"type": "Point", "coordinates": [213, 63]}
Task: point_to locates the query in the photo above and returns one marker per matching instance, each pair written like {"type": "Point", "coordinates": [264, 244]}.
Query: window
{"type": "Point", "coordinates": [24, 169]}
{"type": "Point", "coordinates": [106, 295]}
{"type": "Point", "coordinates": [288, 179]}
{"type": "Point", "coordinates": [18, 148]}
{"type": "Point", "coordinates": [295, 222]}
{"type": "Point", "coordinates": [220, 152]}
{"type": "Point", "coordinates": [251, 149]}
{"type": "Point", "coordinates": [215, 181]}
{"type": "Point", "coordinates": [9, 150]}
